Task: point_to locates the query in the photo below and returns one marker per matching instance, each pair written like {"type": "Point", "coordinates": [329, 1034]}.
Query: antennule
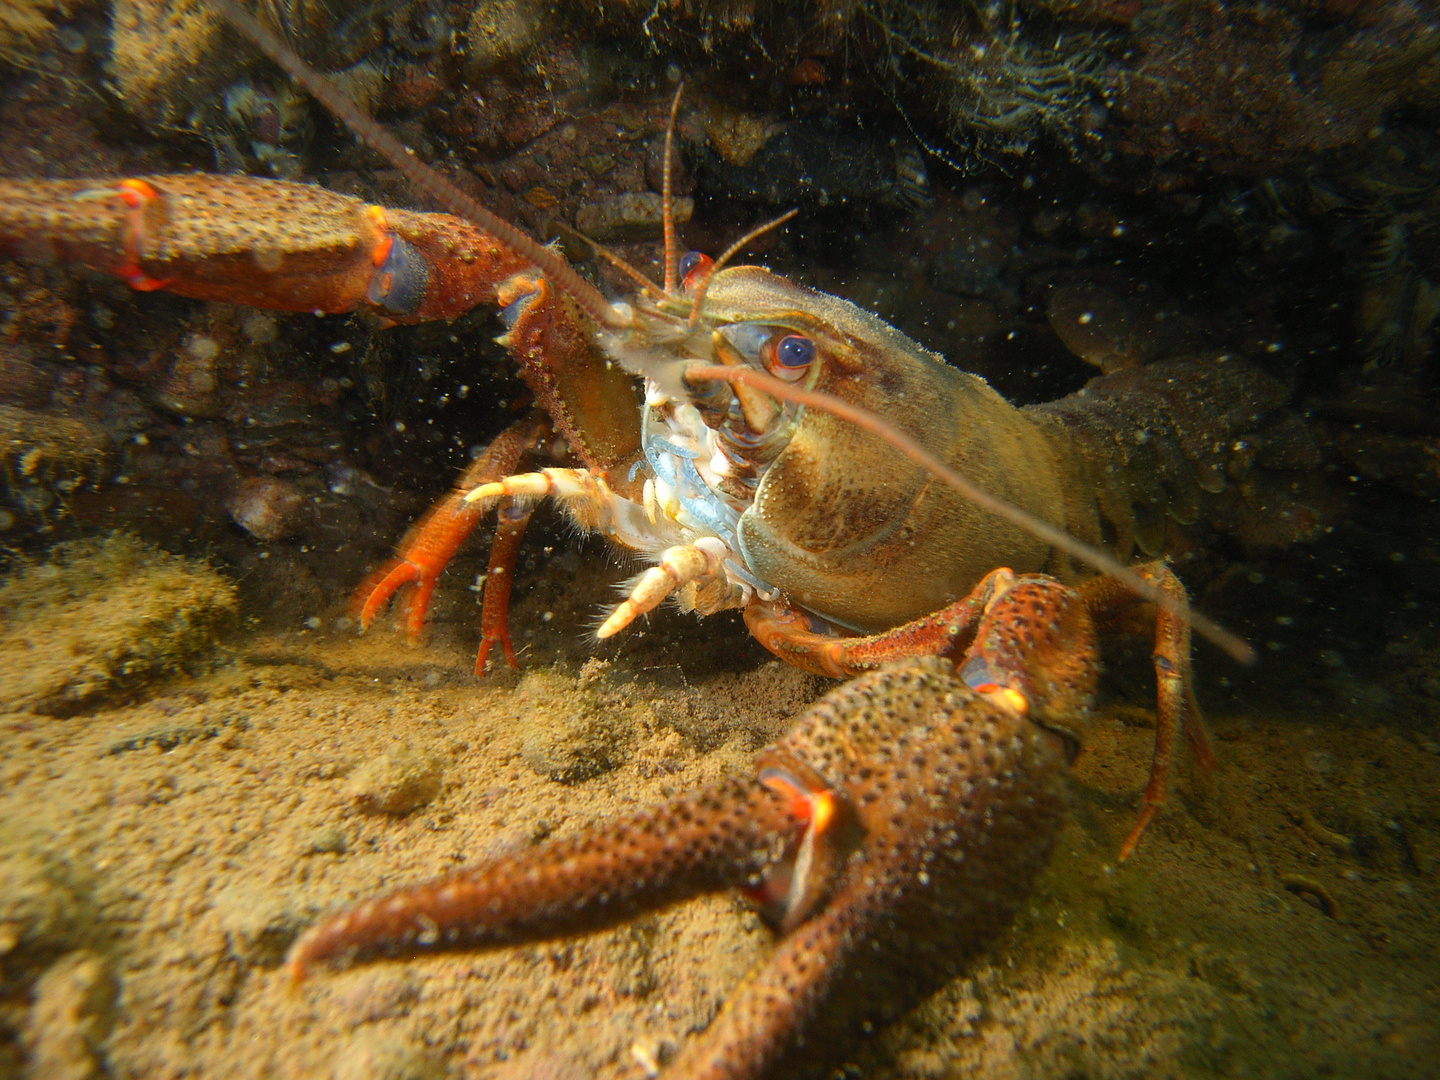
{"type": "Point", "coordinates": [730, 252]}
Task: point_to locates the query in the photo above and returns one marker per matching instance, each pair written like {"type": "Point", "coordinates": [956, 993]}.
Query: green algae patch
{"type": "Point", "coordinates": [100, 619]}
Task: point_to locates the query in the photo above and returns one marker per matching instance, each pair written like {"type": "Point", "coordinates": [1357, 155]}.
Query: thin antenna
{"type": "Point", "coordinates": [667, 205]}
{"type": "Point", "coordinates": [425, 179]}
{"type": "Point", "coordinates": [633, 273]}
{"type": "Point", "coordinates": [1231, 643]}
{"type": "Point", "coordinates": [730, 252]}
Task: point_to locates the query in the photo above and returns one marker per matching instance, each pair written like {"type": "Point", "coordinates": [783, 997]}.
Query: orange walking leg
{"type": "Point", "coordinates": [495, 610]}
{"type": "Point", "coordinates": [952, 632]}
{"type": "Point", "coordinates": [432, 541]}
{"type": "Point", "coordinates": [795, 637]}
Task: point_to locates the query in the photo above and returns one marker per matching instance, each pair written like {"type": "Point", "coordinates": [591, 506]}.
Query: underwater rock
{"type": "Point", "coordinates": [170, 59]}
{"type": "Point", "coordinates": [379, 1055]}
{"type": "Point", "coordinates": [256, 126]}
{"type": "Point", "coordinates": [189, 389]}
{"type": "Point", "coordinates": [165, 56]}
{"type": "Point", "coordinates": [259, 922]}
{"type": "Point", "coordinates": [73, 1011]}
{"type": "Point", "coordinates": [326, 841]}
{"type": "Point", "coordinates": [102, 618]}
{"type": "Point", "coordinates": [815, 163]}
{"type": "Point", "coordinates": [1085, 1011]}
{"type": "Point", "coordinates": [1213, 92]}
{"type": "Point", "coordinates": [44, 458]}
{"type": "Point", "coordinates": [569, 734]}
{"type": "Point", "coordinates": [629, 216]}
{"type": "Point", "coordinates": [404, 778]}
{"type": "Point", "coordinates": [1099, 327]}
{"type": "Point", "coordinates": [24, 27]}
{"type": "Point", "coordinates": [500, 30]}
{"type": "Point", "coordinates": [267, 508]}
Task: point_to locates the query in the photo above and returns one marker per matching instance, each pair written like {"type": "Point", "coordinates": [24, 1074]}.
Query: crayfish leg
{"type": "Point", "coordinates": [432, 542]}
{"type": "Point", "coordinates": [499, 578]}
{"type": "Point", "coordinates": [806, 642]}
{"type": "Point", "coordinates": [1176, 708]}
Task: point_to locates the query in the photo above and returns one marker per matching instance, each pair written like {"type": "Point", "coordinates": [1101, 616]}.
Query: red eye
{"type": "Point", "coordinates": [790, 357]}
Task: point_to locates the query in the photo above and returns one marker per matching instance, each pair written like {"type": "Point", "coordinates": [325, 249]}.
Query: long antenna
{"type": "Point", "coordinates": [864, 419]}
{"type": "Point", "coordinates": [425, 179]}
{"type": "Point", "coordinates": [667, 204]}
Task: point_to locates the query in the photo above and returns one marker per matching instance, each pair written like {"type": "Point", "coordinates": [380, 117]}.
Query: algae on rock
{"type": "Point", "coordinates": [42, 455]}
{"type": "Point", "coordinates": [102, 617]}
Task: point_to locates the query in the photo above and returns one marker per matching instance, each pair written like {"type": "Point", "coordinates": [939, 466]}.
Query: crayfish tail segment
{"type": "Point", "coordinates": [724, 836]}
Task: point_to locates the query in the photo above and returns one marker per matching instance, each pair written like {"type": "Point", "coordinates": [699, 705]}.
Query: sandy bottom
{"type": "Point", "coordinates": [157, 858]}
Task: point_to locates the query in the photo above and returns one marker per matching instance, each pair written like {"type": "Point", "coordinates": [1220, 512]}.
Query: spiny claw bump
{"type": "Point", "coordinates": [678, 566]}
{"type": "Point", "coordinates": [1000, 580]}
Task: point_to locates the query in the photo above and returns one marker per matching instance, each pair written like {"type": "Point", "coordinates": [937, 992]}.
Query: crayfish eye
{"type": "Point", "coordinates": [694, 265]}
{"type": "Point", "coordinates": [791, 356]}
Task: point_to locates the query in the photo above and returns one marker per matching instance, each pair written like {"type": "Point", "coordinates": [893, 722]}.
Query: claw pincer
{"type": "Point", "coordinates": [270, 244]}
{"type": "Point", "coordinates": [906, 812]}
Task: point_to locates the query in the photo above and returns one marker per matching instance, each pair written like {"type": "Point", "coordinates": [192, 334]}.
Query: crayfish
{"type": "Point", "coordinates": [767, 448]}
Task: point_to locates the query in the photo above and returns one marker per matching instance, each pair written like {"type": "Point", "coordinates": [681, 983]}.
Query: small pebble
{"type": "Point", "coordinates": [402, 779]}
{"type": "Point", "coordinates": [327, 841]}
{"type": "Point", "coordinates": [267, 508]}
{"type": "Point", "coordinates": [376, 993]}
{"type": "Point", "coordinates": [259, 921]}
{"type": "Point", "coordinates": [260, 327]}
{"type": "Point", "coordinates": [71, 40]}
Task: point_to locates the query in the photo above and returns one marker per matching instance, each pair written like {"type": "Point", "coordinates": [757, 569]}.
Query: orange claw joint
{"type": "Point", "coordinates": [137, 195]}
{"type": "Point", "coordinates": [793, 888]}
